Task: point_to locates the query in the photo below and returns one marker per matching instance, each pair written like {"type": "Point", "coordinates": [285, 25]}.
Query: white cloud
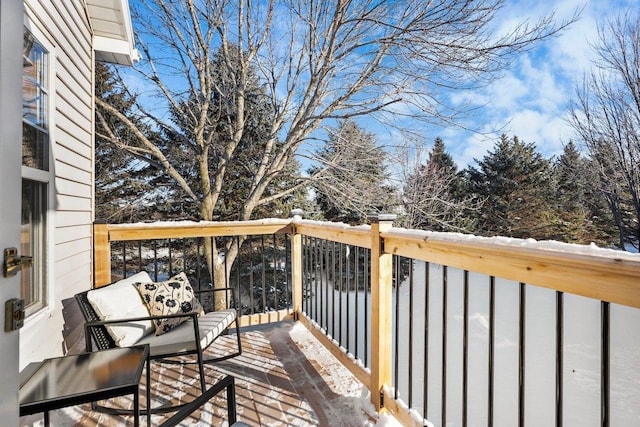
{"type": "Point", "coordinates": [530, 100]}
{"type": "Point", "coordinates": [474, 148]}
{"type": "Point", "coordinates": [546, 131]}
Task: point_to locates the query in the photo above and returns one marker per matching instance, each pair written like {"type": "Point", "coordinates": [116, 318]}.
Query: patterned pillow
{"type": "Point", "coordinates": [171, 297]}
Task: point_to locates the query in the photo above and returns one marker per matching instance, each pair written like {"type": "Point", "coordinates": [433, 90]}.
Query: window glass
{"type": "Point", "coordinates": [33, 243]}
{"type": "Point", "coordinates": [35, 148]}
{"type": "Point", "coordinates": [35, 102]}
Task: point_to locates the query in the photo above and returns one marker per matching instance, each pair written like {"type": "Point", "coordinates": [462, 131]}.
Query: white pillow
{"type": "Point", "coordinates": [121, 300]}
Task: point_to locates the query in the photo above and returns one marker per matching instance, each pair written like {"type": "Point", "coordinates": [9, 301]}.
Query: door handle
{"type": "Point", "coordinates": [14, 263]}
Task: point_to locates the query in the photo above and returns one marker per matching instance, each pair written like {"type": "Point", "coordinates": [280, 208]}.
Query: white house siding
{"type": "Point", "coordinates": [70, 234]}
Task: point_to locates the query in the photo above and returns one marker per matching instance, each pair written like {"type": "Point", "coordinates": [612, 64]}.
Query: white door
{"type": "Point", "coordinates": [11, 42]}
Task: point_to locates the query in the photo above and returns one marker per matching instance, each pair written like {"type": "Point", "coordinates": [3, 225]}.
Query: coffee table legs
{"type": "Point", "coordinates": [136, 408]}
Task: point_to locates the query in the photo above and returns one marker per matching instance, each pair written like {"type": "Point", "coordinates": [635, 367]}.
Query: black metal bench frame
{"type": "Point", "coordinates": [227, 382]}
{"type": "Point", "coordinates": [97, 333]}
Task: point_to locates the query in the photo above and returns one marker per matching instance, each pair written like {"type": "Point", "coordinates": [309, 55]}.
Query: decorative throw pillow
{"type": "Point", "coordinates": [170, 297]}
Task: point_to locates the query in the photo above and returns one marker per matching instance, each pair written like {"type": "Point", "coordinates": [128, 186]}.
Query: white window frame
{"type": "Point", "coordinates": [47, 177]}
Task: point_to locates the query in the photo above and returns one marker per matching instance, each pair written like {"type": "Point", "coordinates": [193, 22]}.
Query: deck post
{"type": "Point", "coordinates": [296, 264]}
{"type": "Point", "coordinates": [101, 254]}
{"type": "Point", "coordinates": [381, 309]}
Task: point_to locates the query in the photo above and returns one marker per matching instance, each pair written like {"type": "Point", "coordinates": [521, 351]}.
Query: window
{"type": "Point", "coordinates": [35, 167]}
{"type": "Point", "coordinates": [35, 101]}
{"type": "Point", "coordinates": [33, 243]}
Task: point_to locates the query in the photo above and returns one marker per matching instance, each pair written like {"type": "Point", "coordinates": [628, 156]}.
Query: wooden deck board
{"type": "Point", "coordinates": [283, 378]}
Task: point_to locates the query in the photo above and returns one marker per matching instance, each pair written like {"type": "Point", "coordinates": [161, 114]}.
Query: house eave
{"type": "Point", "coordinates": [113, 39]}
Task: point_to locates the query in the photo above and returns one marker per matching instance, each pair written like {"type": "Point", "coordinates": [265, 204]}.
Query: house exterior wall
{"type": "Point", "coordinates": [65, 25]}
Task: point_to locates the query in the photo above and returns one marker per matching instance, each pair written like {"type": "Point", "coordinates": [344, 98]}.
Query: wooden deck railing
{"type": "Point", "coordinates": [608, 277]}
{"type": "Point", "coordinates": [107, 235]}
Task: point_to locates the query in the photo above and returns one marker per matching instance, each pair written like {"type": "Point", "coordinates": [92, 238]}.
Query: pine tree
{"type": "Point", "coordinates": [583, 214]}
{"type": "Point", "coordinates": [571, 186]}
{"type": "Point", "coordinates": [243, 166]}
{"type": "Point", "coordinates": [123, 183]}
{"type": "Point", "coordinates": [516, 183]}
{"type": "Point", "coordinates": [353, 176]}
{"type": "Point", "coordinates": [432, 194]}
{"type": "Point", "coordinates": [440, 158]}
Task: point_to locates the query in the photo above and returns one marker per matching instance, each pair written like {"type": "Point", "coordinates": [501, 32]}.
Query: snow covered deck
{"type": "Point", "coordinates": [528, 330]}
{"type": "Point", "coordinates": [284, 377]}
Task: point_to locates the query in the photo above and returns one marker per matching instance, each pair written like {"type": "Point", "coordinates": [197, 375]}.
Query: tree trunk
{"type": "Point", "coordinates": [219, 262]}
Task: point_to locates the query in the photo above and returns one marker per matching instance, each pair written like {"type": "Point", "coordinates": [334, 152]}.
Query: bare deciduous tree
{"type": "Point", "coordinates": [428, 198]}
{"type": "Point", "coordinates": [317, 61]}
{"type": "Point", "coordinates": [354, 180]}
{"type": "Point", "coordinates": [606, 116]}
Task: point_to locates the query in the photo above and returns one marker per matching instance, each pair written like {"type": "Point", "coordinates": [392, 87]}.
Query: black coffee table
{"type": "Point", "coordinates": [83, 378]}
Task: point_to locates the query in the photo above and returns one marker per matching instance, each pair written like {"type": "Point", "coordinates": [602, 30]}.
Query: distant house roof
{"type": "Point", "coordinates": [113, 33]}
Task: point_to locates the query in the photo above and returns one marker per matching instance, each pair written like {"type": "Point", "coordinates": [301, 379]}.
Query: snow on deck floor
{"type": "Point", "coordinates": [284, 377]}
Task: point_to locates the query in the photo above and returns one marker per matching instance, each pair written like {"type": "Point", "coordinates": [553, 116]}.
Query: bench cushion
{"type": "Point", "coordinates": [121, 300]}
{"type": "Point", "coordinates": [181, 339]}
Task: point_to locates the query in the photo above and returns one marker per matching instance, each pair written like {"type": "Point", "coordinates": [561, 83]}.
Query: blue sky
{"type": "Point", "coordinates": [530, 100]}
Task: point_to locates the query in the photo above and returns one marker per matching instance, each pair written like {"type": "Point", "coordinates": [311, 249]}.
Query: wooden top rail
{"type": "Point", "coordinates": [335, 232]}
{"type": "Point", "coordinates": [605, 275]}
{"type": "Point", "coordinates": [166, 230]}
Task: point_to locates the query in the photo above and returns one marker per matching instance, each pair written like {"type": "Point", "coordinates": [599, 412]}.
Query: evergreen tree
{"type": "Point", "coordinates": [571, 173]}
{"type": "Point", "coordinates": [516, 183]}
{"type": "Point", "coordinates": [571, 186]}
{"type": "Point", "coordinates": [353, 176]}
{"type": "Point", "coordinates": [432, 194]}
{"type": "Point", "coordinates": [440, 158]}
{"type": "Point", "coordinates": [583, 214]}
{"type": "Point", "coordinates": [123, 183]}
{"type": "Point", "coordinates": [241, 169]}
